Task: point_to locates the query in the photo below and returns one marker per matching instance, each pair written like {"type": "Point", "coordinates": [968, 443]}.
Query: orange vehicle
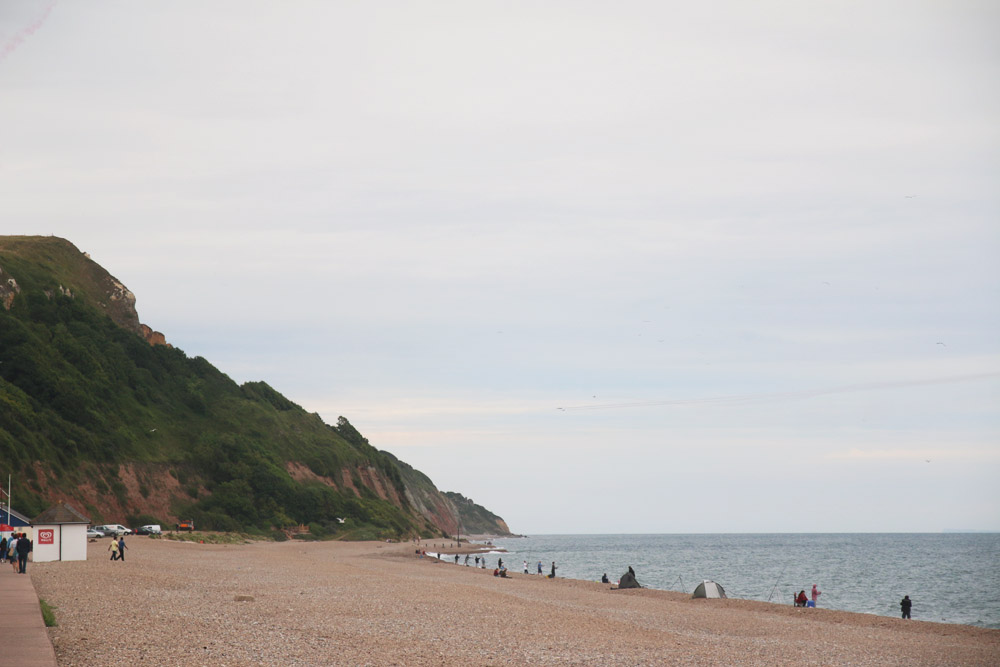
{"type": "Point", "coordinates": [187, 524]}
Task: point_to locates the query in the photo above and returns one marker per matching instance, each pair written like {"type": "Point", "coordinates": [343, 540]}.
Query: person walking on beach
{"type": "Point", "coordinates": [466, 560]}
{"type": "Point", "coordinates": [539, 567]}
{"type": "Point", "coordinates": [553, 575]}
{"type": "Point", "coordinates": [3, 549]}
{"type": "Point", "coordinates": [526, 567]}
{"type": "Point", "coordinates": [905, 605]}
{"type": "Point", "coordinates": [121, 548]}
{"type": "Point", "coordinates": [113, 548]}
{"type": "Point", "coordinates": [815, 594]}
{"type": "Point", "coordinates": [12, 550]}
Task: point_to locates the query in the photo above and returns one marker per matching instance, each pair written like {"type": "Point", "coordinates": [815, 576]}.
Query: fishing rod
{"type": "Point", "coordinates": [776, 584]}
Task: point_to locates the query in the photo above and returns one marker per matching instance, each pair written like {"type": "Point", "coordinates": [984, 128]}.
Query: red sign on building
{"type": "Point", "coordinates": [46, 536]}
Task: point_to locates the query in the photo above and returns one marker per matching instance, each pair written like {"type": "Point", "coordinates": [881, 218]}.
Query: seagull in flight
{"type": "Point", "coordinates": [940, 343]}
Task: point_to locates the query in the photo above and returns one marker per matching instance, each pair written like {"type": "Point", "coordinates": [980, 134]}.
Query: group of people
{"type": "Point", "coordinates": [801, 600]}
{"type": "Point", "coordinates": [501, 569]}
{"type": "Point", "coordinates": [480, 562]}
{"type": "Point", "coordinates": [117, 548]}
{"type": "Point", "coordinates": [16, 550]}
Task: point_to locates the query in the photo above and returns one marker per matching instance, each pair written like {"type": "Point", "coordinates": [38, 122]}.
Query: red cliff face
{"type": "Point", "coordinates": [433, 506]}
{"type": "Point", "coordinates": [153, 337]}
{"type": "Point", "coordinates": [119, 304]}
{"type": "Point", "coordinates": [436, 507]}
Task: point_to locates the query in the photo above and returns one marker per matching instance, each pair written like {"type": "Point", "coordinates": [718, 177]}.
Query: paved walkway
{"type": "Point", "coordinates": [21, 624]}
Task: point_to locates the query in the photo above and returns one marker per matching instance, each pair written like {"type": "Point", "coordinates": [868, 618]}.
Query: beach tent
{"type": "Point", "coordinates": [627, 580]}
{"type": "Point", "coordinates": [708, 589]}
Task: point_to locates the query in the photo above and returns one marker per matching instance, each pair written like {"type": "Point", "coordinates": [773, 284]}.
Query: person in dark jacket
{"type": "Point", "coordinates": [905, 605]}
{"type": "Point", "coordinates": [23, 549]}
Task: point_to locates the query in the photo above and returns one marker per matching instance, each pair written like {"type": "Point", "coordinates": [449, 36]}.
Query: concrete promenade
{"type": "Point", "coordinates": [25, 638]}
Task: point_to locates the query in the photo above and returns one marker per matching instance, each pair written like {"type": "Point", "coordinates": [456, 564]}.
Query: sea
{"type": "Point", "coordinates": [950, 577]}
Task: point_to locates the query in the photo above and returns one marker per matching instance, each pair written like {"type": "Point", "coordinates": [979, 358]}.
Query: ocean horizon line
{"type": "Point", "coordinates": [944, 531]}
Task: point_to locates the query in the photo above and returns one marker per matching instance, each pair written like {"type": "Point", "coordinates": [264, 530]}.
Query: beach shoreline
{"type": "Point", "coordinates": [374, 603]}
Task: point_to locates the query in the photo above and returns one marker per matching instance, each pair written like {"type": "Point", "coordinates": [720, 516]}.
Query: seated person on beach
{"type": "Point", "coordinates": [800, 601]}
{"type": "Point", "coordinates": [604, 578]}
{"type": "Point", "coordinates": [503, 571]}
{"type": "Point", "coordinates": [496, 572]}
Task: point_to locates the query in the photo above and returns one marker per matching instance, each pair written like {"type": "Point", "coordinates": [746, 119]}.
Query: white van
{"type": "Point", "coordinates": [114, 529]}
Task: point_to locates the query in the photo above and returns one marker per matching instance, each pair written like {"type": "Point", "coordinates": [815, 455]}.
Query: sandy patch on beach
{"type": "Point", "coordinates": [334, 603]}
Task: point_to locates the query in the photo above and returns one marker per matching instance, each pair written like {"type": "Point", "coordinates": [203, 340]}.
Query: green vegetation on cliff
{"type": "Point", "coordinates": [92, 413]}
{"type": "Point", "coordinates": [476, 519]}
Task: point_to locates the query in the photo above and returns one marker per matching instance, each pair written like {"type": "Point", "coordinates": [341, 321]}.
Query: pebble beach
{"type": "Point", "coordinates": [373, 603]}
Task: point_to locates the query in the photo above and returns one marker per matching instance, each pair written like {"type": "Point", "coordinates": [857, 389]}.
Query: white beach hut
{"type": "Point", "coordinates": [60, 534]}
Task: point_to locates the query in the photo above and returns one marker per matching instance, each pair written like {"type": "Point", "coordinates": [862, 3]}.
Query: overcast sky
{"type": "Point", "coordinates": [600, 266]}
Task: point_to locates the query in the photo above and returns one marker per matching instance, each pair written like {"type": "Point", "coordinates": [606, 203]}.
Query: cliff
{"type": "Point", "coordinates": [98, 410]}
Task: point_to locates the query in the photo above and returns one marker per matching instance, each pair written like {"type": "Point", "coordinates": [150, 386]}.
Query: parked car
{"type": "Point", "coordinates": [91, 532]}
{"type": "Point", "coordinates": [187, 524]}
{"type": "Point", "coordinates": [150, 529]}
{"type": "Point", "coordinates": [115, 529]}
